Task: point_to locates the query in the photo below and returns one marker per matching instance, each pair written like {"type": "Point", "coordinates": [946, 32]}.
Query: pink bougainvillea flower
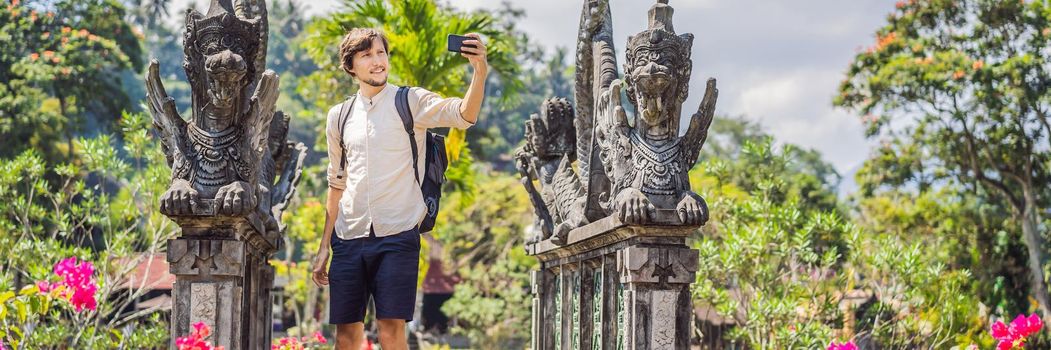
{"type": "Point", "coordinates": [1027, 326]}
{"type": "Point", "coordinates": [43, 287]}
{"type": "Point", "coordinates": [301, 343]}
{"type": "Point", "coordinates": [201, 330]}
{"type": "Point", "coordinates": [1014, 335]}
{"type": "Point", "coordinates": [844, 346]}
{"type": "Point", "coordinates": [78, 283]}
{"type": "Point", "coordinates": [1000, 331]}
{"type": "Point", "coordinates": [195, 341]}
{"type": "Point", "coordinates": [2, 345]}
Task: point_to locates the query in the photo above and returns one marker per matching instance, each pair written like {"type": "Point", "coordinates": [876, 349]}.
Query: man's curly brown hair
{"type": "Point", "coordinates": [358, 40]}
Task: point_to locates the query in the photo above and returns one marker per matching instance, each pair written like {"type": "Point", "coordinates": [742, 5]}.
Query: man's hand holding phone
{"type": "Point", "coordinates": [473, 48]}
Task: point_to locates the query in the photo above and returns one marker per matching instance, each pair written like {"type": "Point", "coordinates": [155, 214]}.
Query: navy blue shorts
{"type": "Point", "coordinates": [385, 268]}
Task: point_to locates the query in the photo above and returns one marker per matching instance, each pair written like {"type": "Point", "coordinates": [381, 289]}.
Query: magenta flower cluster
{"type": "Point", "coordinates": [292, 343]}
{"type": "Point", "coordinates": [77, 285]}
{"type": "Point", "coordinates": [1014, 335]}
{"type": "Point", "coordinates": [844, 346]}
{"type": "Point", "coordinates": [195, 341]}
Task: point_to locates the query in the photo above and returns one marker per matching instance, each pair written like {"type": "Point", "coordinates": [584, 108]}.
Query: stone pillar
{"type": "Point", "coordinates": [222, 278]}
{"type": "Point", "coordinates": [614, 286]}
{"type": "Point", "coordinates": [656, 295]}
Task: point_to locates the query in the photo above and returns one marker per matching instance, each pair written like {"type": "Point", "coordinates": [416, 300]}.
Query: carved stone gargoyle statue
{"type": "Point", "coordinates": [648, 161]}
{"type": "Point", "coordinates": [635, 170]}
{"type": "Point", "coordinates": [547, 158]}
{"type": "Point", "coordinates": [225, 158]}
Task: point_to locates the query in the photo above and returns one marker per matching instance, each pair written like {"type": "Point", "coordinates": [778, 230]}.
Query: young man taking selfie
{"type": "Point", "coordinates": [375, 205]}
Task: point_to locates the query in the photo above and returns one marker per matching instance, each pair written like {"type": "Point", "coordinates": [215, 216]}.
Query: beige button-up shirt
{"type": "Point", "coordinates": [379, 189]}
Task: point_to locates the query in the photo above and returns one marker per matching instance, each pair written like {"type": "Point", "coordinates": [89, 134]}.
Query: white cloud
{"type": "Point", "coordinates": [789, 105]}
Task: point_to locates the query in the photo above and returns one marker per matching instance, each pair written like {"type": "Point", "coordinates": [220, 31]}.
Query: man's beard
{"type": "Point", "coordinates": [374, 82]}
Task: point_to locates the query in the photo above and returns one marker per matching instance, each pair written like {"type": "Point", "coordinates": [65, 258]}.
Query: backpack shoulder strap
{"type": "Point", "coordinates": [401, 102]}
{"type": "Point", "coordinates": [345, 110]}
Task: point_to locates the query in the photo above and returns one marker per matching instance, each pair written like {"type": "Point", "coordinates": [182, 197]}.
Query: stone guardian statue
{"type": "Point", "coordinates": [232, 175]}
{"type": "Point", "coordinates": [635, 169]}
{"type": "Point", "coordinates": [647, 161]}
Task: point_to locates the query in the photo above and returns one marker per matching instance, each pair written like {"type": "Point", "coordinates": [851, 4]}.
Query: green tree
{"type": "Point", "coordinates": [804, 176]}
{"type": "Point", "coordinates": [482, 240]}
{"type": "Point", "coordinates": [60, 71]}
{"type": "Point", "coordinates": [769, 257]}
{"type": "Point", "coordinates": [901, 194]}
{"type": "Point", "coordinates": [147, 14]}
{"type": "Point", "coordinates": [789, 269]}
{"type": "Point", "coordinates": [968, 81]}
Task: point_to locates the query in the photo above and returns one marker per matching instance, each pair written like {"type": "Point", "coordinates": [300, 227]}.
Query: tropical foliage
{"type": "Point", "coordinates": [941, 244]}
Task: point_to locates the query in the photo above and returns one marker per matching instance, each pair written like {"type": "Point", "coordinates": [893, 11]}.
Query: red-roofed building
{"type": "Point", "coordinates": [151, 275]}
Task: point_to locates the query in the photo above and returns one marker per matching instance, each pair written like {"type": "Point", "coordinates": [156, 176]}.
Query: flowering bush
{"type": "Point", "coordinates": [33, 302]}
{"type": "Point", "coordinates": [50, 214]}
{"type": "Point", "coordinates": [293, 343]}
{"type": "Point", "coordinates": [195, 341]}
{"type": "Point", "coordinates": [1014, 335]}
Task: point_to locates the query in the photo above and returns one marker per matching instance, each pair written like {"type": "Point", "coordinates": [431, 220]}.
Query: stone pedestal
{"type": "Point", "coordinates": [222, 278]}
{"type": "Point", "coordinates": [614, 286]}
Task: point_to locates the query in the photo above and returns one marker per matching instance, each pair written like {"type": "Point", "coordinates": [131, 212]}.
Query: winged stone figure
{"type": "Point", "coordinates": [634, 168]}
{"type": "Point", "coordinates": [224, 159]}
{"type": "Point", "coordinates": [647, 161]}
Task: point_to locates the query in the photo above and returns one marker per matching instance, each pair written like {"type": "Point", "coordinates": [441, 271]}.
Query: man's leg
{"type": "Point", "coordinates": [350, 336]}
{"type": "Point", "coordinates": [394, 286]}
{"type": "Point", "coordinates": [392, 335]}
{"type": "Point", "coordinates": [348, 293]}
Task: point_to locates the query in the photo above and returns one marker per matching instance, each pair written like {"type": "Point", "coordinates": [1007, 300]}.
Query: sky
{"type": "Point", "coordinates": [777, 62]}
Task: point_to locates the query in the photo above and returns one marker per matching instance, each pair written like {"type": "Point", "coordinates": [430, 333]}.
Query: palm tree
{"type": "Point", "coordinates": [417, 32]}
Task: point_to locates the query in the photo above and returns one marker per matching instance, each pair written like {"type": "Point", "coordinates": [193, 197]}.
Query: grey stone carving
{"type": "Point", "coordinates": [647, 161]}
{"type": "Point", "coordinates": [233, 174]}
{"type": "Point", "coordinates": [612, 194]}
{"type": "Point", "coordinates": [633, 168]}
{"type": "Point", "coordinates": [225, 158]}
{"type": "Point", "coordinates": [546, 157]}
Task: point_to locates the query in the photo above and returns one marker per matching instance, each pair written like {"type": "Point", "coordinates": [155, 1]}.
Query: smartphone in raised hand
{"type": "Point", "coordinates": [456, 42]}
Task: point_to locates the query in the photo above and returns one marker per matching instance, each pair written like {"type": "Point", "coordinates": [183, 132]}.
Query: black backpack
{"type": "Point", "coordinates": [435, 161]}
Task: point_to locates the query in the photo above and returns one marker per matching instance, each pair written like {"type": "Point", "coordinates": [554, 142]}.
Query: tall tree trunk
{"type": "Point", "coordinates": [1034, 241]}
